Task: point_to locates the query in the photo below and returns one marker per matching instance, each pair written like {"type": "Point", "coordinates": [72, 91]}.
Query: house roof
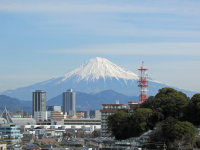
{"type": "Point", "coordinates": [114, 104]}
{"type": "Point", "coordinates": [46, 140]}
{"type": "Point", "coordinates": [109, 110]}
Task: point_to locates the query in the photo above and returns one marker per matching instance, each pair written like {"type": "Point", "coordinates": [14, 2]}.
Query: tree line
{"type": "Point", "coordinates": [170, 114]}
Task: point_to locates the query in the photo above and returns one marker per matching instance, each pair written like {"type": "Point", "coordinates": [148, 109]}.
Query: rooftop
{"type": "Point", "coordinates": [114, 104]}
{"type": "Point", "coordinates": [20, 121]}
{"type": "Point", "coordinates": [46, 140]}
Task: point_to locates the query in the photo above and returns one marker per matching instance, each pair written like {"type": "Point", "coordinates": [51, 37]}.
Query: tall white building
{"type": "Point", "coordinates": [69, 102]}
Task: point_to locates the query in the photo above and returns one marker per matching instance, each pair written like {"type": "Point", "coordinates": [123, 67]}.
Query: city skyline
{"type": "Point", "coordinates": [40, 40]}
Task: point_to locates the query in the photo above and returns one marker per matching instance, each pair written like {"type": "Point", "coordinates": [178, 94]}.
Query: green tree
{"type": "Point", "coordinates": [165, 114]}
{"type": "Point", "coordinates": [193, 110]}
{"type": "Point", "coordinates": [167, 102]}
{"type": "Point", "coordinates": [172, 102]}
{"type": "Point", "coordinates": [151, 103]}
{"type": "Point", "coordinates": [172, 132]}
{"type": "Point", "coordinates": [123, 126]}
{"type": "Point", "coordinates": [141, 121]}
{"type": "Point", "coordinates": [119, 125]}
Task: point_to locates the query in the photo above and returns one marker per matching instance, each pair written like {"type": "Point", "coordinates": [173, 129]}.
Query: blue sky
{"type": "Point", "coordinates": [41, 39]}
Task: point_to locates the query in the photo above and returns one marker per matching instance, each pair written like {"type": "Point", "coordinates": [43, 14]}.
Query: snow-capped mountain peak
{"type": "Point", "coordinates": [98, 74]}
{"type": "Point", "coordinates": [97, 68]}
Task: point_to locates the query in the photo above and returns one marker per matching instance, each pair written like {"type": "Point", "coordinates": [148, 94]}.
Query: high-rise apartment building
{"type": "Point", "coordinates": [69, 102]}
{"type": "Point", "coordinates": [107, 110]}
{"type": "Point", "coordinates": [38, 101]}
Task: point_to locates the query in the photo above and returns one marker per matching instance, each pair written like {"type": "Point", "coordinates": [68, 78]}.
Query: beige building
{"type": "Point", "coordinates": [55, 115]}
{"type": "Point", "coordinates": [57, 118]}
{"type": "Point", "coordinates": [79, 114]}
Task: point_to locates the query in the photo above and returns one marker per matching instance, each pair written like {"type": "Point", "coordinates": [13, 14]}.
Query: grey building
{"type": "Point", "coordinates": [95, 114]}
{"type": "Point", "coordinates": [54, 108]}
{"type": "Point", "coordinates": [69, 103]}
{"type": "Point", "coordinates": [38, 101]}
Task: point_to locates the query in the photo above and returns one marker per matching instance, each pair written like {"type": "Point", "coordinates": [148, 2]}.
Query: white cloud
{"type": "Point", "coordinates": [175, 49]}
{"type": "Point", "coordinates": [113, 26]}
{"type": "Point", "coordinates": [105, 18]}
{"type": "Point", "coordinates": [143, 6]}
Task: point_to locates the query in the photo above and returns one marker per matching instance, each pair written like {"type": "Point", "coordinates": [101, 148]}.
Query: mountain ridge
{"type": "Point", "coordinates": [98, 74]}
{"type": "Point", "coordinates": [14, 104]}
{"type": "Point", "coordinates": [85, 101]}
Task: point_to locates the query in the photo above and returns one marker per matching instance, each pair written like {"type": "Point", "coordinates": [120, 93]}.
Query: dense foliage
{"type": "Point", "coordinates": [124, 125]}
{"type": "Point", "coordinates": [170, 113]}
{"type": "Point", "coordinates": [173, 132]}
{"type": "Point", "coordinates": [168, 102]}
{"type": "Point", "coordinates": [119, 125]}
{"type": "Point", "coordinates": [141, 121]}
{"type": "Point", "coordinates": [193, 110]}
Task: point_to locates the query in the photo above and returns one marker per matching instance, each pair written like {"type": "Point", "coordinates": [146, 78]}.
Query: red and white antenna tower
{"type": "Point", "coordinates": [143, 83]}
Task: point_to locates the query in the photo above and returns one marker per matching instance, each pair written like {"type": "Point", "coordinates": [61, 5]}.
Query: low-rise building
{"type": "Point", "coordinates": [10, 131]}
{"type": "Point", "coordinates": [85, 114]}
{"type": "Point", "coordinates": [53, 109]}
{"type": "Point", "coordinates": [68, 123]}
{"type": "Point", "coordinates": [20, 121]}
{"type": "Point", "coordinates": [57, 118]}
{"type": "Point", "coordinates": [44, 122]}
{"type": "Point", "coordinates": [84, 122]}
{"type": "Point", "coordinates": [132, 105]}
{"type": "Point", "coordinates": [57, 115]}
{"type": "Point", "coordinates": [80, 114]}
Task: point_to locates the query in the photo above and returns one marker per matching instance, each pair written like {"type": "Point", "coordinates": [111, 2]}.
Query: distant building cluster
{"type": "Point", "coordinates": [57, 114]}
{"type": "Point", "coordinates": [50, 122]}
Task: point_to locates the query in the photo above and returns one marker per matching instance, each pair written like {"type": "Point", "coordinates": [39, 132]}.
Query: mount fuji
{"type": "Point", "coordinates": [98, 74]}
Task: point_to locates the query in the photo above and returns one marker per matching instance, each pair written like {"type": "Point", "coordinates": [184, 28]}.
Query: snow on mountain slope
{"type": "Point", "coordinates": [98, 68]}
{"type": "Point", "coordinates": [97, 75]}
